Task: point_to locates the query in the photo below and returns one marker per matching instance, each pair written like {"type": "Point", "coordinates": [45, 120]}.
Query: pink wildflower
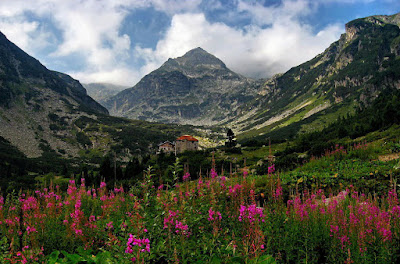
{"type": "Point", "coordinates": [110, 225]}
{"type": "Point", "coordinates": [213, 174]}
{"type": "Point", "coordinates": [212, 215]}
{"type": "Point", "coordinates": [186, 177]}
{"type": "Point", "coordinates": [271, 169]}
{"type": "Point", "coordinates": [132, 241]}
{"type": "Point", "coordinates": [251, 212]}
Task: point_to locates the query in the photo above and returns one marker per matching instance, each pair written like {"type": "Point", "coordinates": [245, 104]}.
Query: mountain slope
{"type": "Point", "coordinates": [48, 114]}
{"type": "Point", "coordinates": [102, 91]}
{"type": "Point", "coordinates": [19, 70]}
{"type": "Point", "coordinates": [196, 88]}
{"type": "Point", "coordinates": [350, 73]}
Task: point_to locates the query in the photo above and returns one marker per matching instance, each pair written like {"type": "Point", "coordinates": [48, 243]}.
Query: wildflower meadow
{"type": "Point", "coordinates": [214, 219]}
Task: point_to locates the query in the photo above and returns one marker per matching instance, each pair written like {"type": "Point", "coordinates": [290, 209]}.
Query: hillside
{"type": "Point", "coordinates": [49, 114]}
{"type": "Point", "coordinates": [38, 106]}
{"type": "Point", "coordinates": [196, 89]}
{"type": "Point", "coordinates": [349, 74]}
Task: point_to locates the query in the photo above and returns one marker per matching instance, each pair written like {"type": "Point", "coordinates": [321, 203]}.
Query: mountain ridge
{"type": "Point", "coordinates": [16, 67]}
{"type": "Point", "coordinates": [350, 73]}
{"type": "Point", "coordinates": [196, 88]}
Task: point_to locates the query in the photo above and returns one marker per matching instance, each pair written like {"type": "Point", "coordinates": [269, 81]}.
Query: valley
{"type": "Point", "coordinates": [300, 167]}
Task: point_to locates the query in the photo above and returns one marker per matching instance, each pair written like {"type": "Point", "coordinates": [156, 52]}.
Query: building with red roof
{"type": "Point", "coordinates": [185, 143]}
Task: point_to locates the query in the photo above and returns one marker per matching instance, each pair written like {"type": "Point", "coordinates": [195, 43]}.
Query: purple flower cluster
{"type": "Point", "coordinates": [271, 169]}
{"type": "Point", "coordinates": [186, 177]}
{"type": "Point", "coordinates": [214, 215]}
{"type": "Point", "coordinates": [251, 212]}
{"type": "Point", "coordinates": [143, 244]}
{"type": "Point", "coordinates": [213, 174]}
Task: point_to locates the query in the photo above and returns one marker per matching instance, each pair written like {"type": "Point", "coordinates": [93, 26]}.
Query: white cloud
{"type": "Point", "coordinates": [121, 75]}
{"type": "Point", "coordinates": [175, 6]}
{"type": "Point", "coordinates": [28, 35]}
{"type": "Point", "coordinates": [276, 40]}
{"type": "Point", "coordinates": [255, 52]}
{"type": "Point", "coordinates": [288, 10]}
{"type": "Point", "coordinates": [89, 28]}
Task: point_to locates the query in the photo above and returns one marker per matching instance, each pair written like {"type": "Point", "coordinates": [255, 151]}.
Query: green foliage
{"type": "Point", "coordinates": [4, 248]}
{"type": "Point", "coordinates": [197, 161]}
{"type": "Point", "coordinates": [134, 170]}
{"type": "Point", "coordinates": [381, 114]}
{"type": "Point", "coordinates": [83, 256]}
{"type": "Point", "coordinates": [176, 170]}
{"type": "Point", "coordinates": [395, 147]}
{"type": "Point", "coordinates": [83, 139]}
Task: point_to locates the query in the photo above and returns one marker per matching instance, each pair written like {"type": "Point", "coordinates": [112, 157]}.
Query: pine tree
{"type": "Point", "coordinates": [231, 139]}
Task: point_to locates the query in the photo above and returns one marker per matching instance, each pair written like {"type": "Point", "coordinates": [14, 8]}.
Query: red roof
{"type": "Point", "coordinates": [187, 137]}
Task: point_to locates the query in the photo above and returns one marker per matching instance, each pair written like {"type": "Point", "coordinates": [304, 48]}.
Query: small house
{"type": "Point", "coordinates": [166, 147]}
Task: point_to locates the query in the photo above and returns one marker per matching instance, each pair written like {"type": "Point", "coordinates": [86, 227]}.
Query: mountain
{"type": "Point", "coordinates": [196, 89]}
{"type": "Point", "coordinates": [19, 71]}
{"type": "Point", "coordinates": [47, 114]}
{"type": "Point", "coordinates": [102, 91]}
{"type": "Point", "coordinates": [348, 75]}
{"type": "Point", "coordinates": [36, 103]}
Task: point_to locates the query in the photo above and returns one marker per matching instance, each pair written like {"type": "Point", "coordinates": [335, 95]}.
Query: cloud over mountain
{"type": "Point", "coordinates": [87, 38]}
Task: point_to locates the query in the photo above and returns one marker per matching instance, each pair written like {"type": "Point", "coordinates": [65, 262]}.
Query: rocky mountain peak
{"type": "Point", "coordinates": [353, 28]}
{"type": "Point", "coordinates": [196, 89]}
{"type": "Point", "coordinates": [194, 59]}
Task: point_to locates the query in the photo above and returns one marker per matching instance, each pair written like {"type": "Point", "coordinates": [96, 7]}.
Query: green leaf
{"type": "Point", "coordinates": [72, 258]}
{"type": "Point", "coordinates": [104, 258]}
{"type": "Point", "coordinates": [238, 260]}
{"type": "Point", "coordinates": [266, 259]}
{"type": "Point", "coordinates": [215, 260]}
{"type": "Point", "coordinates": [53, 257]}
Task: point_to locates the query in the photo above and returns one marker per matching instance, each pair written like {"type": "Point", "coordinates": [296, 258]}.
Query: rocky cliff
{"type": "Point", "coordinates": [196, 88]}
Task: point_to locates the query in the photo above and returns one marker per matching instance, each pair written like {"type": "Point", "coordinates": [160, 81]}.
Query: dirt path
{"type": "Point", "coordinates": [389, 157]}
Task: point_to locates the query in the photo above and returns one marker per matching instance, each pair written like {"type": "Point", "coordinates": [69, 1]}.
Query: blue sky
{"type": "Point", "coordinates": [119, 41]}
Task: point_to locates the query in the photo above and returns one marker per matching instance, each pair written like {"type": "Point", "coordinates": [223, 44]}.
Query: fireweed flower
{"type": "Point", "coordinates": [213, 174]}
{"type": "Point", "coordinates": [180, 227]}
{"type": "Point", "coordinates": [71, 187]}
{"type": "Point", "coordinates": [235, 190]}
{"type": "Point", "coordinates": [170, 218]}
{"type": "Point", "coordinates": [140, 243]}
{"type": "Point", "coordinates": [31, 230]}
{"type": "Point", "coordinates": [251, 212]}
{"type": "Point", "coordinates": [278, 192]}
{"type": "Point", "coordinates": [171, 222]}
{"type": "Point", "coordinates": [213, 215]}
{"type": "Point", "coordinates": [110, 225]}
{"type": "Point", "coordinates": [186, 177]}
{"type": "Point", "coordinates": [118, 190]}
{"type": "Point", "coordinates": [271, 169]}
{"type": "Point", "coordinates": [28, 204]}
